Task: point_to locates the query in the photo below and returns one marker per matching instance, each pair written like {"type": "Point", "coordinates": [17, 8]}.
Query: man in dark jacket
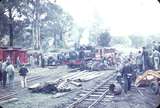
{"type": "Point", "coordinates": [81, 57]}
{"type": "Point", "coordinates": [42, 62]}
{"type": "Point", "coordinates": [23, 73]}
{"type": "Point", "coordinates": [145, 59]}
{"type": "Point", "coordinates": [127, 75]}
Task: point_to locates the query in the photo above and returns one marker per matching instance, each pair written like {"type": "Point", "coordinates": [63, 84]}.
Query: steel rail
{"type": "Point", "coordinates": [73, 105]}
{"type": "Point", "coordinates": [10, 95]}
{"type": "Point", "coordinates": [99, 99]}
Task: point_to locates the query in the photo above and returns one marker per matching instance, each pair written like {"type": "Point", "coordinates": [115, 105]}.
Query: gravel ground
{"type": "Point", "coordinates": [38, 100]}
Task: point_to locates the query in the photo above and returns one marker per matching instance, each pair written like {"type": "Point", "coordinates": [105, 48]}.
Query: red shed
{"type": "Point", "coordinates": [14, 53]}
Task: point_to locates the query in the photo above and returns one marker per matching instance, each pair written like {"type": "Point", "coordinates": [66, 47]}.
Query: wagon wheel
{"type": "Point", "coordinates": [154, 87]}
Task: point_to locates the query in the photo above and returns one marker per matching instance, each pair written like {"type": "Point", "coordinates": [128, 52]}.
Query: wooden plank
{"type": "Point", "coordinates": [76, 83]}
{"type": "Point", "coordinates": [88, 77]}
{"type": "Point", "coordinates": [69, 75]}
{"type": "Point", "coordinates": [94, 95]}
{"type": "Point", "coordinates": [74, 76]}
{"type": "Point", "coordinates": [100, 90]}
{"type": "Point", "coordinates": [92, 100]}
{"type": "Point", "coordinates": [9, 100]}
{"type": "Point", "coordinates": [97, 93]}
{"type": "Point", "coordinates": [8, 96]}
{"type": "Point", "coordinates": [81, 76]}
{"type": "Point", "coordinates": [104, 87]}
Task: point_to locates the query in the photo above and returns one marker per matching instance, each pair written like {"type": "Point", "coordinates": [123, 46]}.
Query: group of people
{"type": "Point", "coordinates": [8, 71]}
{"type": "Point", "coordinates": [149, 58]}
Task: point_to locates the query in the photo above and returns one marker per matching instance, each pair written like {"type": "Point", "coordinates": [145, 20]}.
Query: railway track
{"type": "Point", "coordinates": [93, 97]}
{"type": "Point", "coordinates": [17, 83]}
{"type": "Point", "coordinates": [12, 94]}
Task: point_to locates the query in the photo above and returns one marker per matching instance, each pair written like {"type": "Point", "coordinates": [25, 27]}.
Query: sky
{"type": "Point", "coordinates": [119, 17]}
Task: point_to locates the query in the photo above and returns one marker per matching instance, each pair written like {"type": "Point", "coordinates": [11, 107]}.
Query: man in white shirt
{"type": "Point", "coordinates": [139, 61]}
{"type": "Point", "coordinates": [10, 71]}
{"type": "Point", "coordinates": [156, 56]}
{"type": "Point", "coordinates": [4, 73]}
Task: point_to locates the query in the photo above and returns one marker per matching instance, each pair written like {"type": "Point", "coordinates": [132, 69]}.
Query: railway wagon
{"type": "Point", "coordinates": [14, 53]}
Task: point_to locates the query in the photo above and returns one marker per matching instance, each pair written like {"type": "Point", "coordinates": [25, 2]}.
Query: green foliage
{"type": "Point", "coordinates": [104, 39]}
{"type": "Point", "coordinates": [11, 14]}
{"type": "Point", "coordinates": [52, 20]}
{"type": "Point", "coordinates": [150, 39]}
{"type": "Point", "coordinates": [137, 41]}
{"type": "Point", "coordinates": [121, 40]}
{"type": "Point", "coordinates": [57, 23]}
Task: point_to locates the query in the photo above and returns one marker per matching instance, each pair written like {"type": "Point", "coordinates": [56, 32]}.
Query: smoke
{"type": "Point", "coordinates": [120, 17]}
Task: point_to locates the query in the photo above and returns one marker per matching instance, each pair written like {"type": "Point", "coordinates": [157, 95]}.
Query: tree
{"type": "Point", "coordinates": [57, 23]}
{"type": "Point", "coordinates": [95, 29]}
{"type": "Point", "coordinates": [11, 8]}
{"type": "Point", "coordinates": [137, 41]}
{"type": "Point", "coordinates": [120, 40]}
{"type": "Point", "coordinates": [33, 21]}
{"type": "Point", "coordinates": [11, 14]}
{"type": "Point", "coordinates": [94, 32]}
{"type": "Point", "coordinates": [104, 39]}
{"type": "Point", "coordinates": [80, 32]}
{"type": "Point", "coordinates": [4, 30]}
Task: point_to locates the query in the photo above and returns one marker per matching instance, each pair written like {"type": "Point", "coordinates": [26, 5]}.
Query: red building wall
{"type": "Point", "coordinates": [14, 53]}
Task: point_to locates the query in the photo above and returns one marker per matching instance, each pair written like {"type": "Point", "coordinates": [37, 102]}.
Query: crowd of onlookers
{"type": "Point", "coordinates": [7, 73]}
{"type": "Point", "coordinates": [149, 58]}
{"type": "Point", "coordinates": [135, 64]}
{"type": "Point", "coordinates": [145, 59]}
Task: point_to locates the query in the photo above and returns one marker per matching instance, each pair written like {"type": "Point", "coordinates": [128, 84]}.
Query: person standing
{"type": "Point", "coordinates": [10, 71]}
{"type": "Point", "coordinates": [81, 54]}
{"type": "Point", "coordinates": [145, 59]}
{"type": "Point", "coordinates": [18, 62]}
{"type": "Point", "coordinates": [156, 56]}
{"type": "Point", "coordinates": [8, 59]}
{"type": "Point", "coordinates": [40, 59]}
{"type": "Point", "coordinates": [101, 55]}
{"type": "Point", "coordinates": [81, 57]}
{"type": "Point", "coordinates": [159, 46]}
{"type": "Point", "coordinates": [0, 73]}
{"type": "Point", "coordinates": [139, 61]}
{"type": "Point", "coordinates": [31, 60]}
{"type": "Point", "coordinates": [23, 73]}
{"type": "Point", "coordinates": [4, 73]}
{"type": "Point", "coordinates": [127, 71]}
{"type": "Point", "coordinates": [42, 62]}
